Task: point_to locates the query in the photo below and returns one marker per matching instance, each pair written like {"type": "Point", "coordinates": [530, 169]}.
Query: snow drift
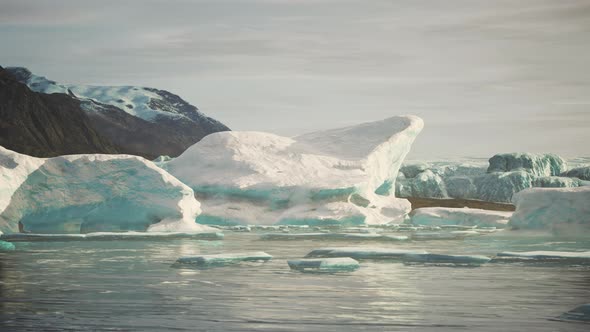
{"type": "Point", "coordinates": [326, 177]}
{"type": "Point", "coordinates": [92, 193]}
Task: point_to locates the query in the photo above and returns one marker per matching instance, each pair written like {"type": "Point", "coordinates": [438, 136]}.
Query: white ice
{"type": "Point", "coordinates": [327, 177]}
{"type": "Point", "coordinates": [325, 265]}
{"type": "Point", "coordinates": [460, 216]}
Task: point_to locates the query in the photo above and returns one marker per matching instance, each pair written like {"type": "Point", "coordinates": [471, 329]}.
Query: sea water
{"type": "Point", "coordinates": [133, 286]}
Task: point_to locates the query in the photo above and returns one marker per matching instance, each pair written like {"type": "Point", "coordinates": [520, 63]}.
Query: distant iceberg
{"type": "Point", "coordinates": [333, 177]}
{"type": "Point", "coordinates": [505, 175]}
{"type": "Point", "coordinates": [92, 193]}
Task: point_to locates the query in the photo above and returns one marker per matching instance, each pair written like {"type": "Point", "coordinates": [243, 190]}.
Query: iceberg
{"type": "Point", "coordinates": [207, 261]}
{"type": "Point", "coordinates": [324, 265]}
{"type": "Point", "coordinates": [6, 246]}
{"type": "Point", "coordinates": [505, 175]}
{"type": "Point", "coordinates": [557, 182]}
{"type": "Point", "coordinates": [92, 193]}
{"type": "Point", "coordinates": [323, 178]}
{"type": "Point", "coordinates": [579, 314]}
{"type": "Point", "coordinates": [364, 253]}
{"type": "Point", "coordinates": [536, 164]}
{"type": "Point", "coordinates": [547, 256]}
{"type": "Point", "coordinates": [440, 216]}
{"type": "Point", "coordinates": [334, 236]}
{"type": "Point", "coordinates": [562, 210]}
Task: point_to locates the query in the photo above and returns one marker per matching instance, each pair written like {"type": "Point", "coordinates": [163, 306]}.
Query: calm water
{"type": "Point", "coordinates": [131, 286]}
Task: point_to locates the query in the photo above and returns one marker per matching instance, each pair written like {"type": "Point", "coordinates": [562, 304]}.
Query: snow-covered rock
{"type": "Point", "coordinates": [124, 119]}
{"type": "Point", "coordinates": [460, 216]}
{"type": "Point", "coordinates": [324, 265]}
{"type": "Point", "coordinates": [562, 210]}
{"type": "Point", "coordinates": [536, 164]}
{"type": "Point", "coordinates": [89, 193]}
{"type": "Point", "coordinates": [327, 177]}
{"type": "Point", "coordinates": [207, 261]}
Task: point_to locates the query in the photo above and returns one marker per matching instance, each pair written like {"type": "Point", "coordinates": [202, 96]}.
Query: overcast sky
{"type": "Point", "coordinates": [486, 76]}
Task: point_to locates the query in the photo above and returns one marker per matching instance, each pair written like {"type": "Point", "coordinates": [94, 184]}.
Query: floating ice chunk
{"type": "Point", "coordinates": [206, 261]}
{"type": "Point", "coordinates": [103, 236]}
{"type": "Point", "coordinates": [562, 210]}
{"type": "Point", "coordinates": [579, 314]}
{"type": "Point", "coordinates": [92, 193]}
{"type": "Point", "coordinates": [364, 253]}
{"type": "Point", "coordinates": [453, 235]}
{"type": "Point", "coordinates": [460, 216]}
{"type": "Point", "coordinates": [6, 246]}
{"type": "Point", "coordinates": [324, 265]}
{"type": "Point", "coordinates": [333, 236]}
{"type": "Point", "coordinates": [447, 259]}
{"type": "Point", "coordinates": [549, 256]}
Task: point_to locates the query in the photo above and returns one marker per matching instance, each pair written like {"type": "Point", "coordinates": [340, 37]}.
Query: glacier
{"type": "Point", "coordinates": [332, 177]}
{"type": "Point", "coordinates": [92, 193]}
{"type": "Point", "coordinates": [505, 175]}
{"type": "Point", "coordinates": [560, 210]}
{"type": "Point", "coordinates": [460, 216]}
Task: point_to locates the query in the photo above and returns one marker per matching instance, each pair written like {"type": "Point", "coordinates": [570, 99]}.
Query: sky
{"type": "Point", "coordinates": [486, 76]}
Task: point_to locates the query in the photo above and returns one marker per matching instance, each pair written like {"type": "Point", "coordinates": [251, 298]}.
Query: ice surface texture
{"type": "Point", "coordinates": [562, 210]}
{"type": "Point", "coordinates": [579, 257]}
{"type": "Point", "coordinates": [506, 175]}
{"type": "Point", "coordinates": [327, 177]}
{"type": "Point", "coordinates": [324, 265]}
{"type": "Point", "coordinates": [458, 216]}
{"type": "Point", "coordinates": [92, 193]}
{"type": "Point", "coordinates": [206, 261]}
